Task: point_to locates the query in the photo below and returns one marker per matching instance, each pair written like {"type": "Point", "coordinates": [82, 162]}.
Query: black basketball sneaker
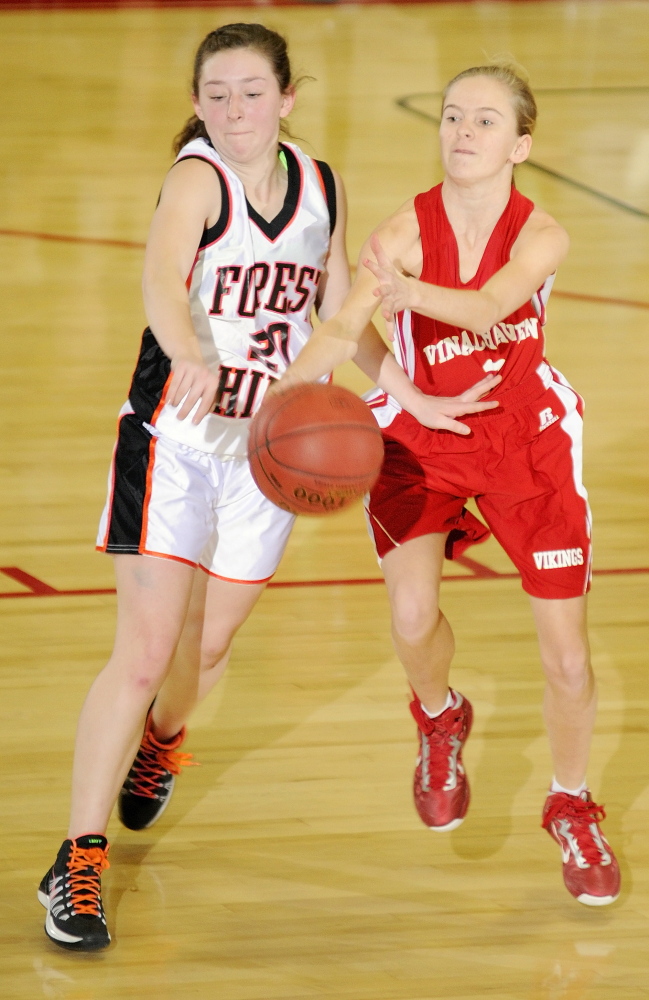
{"type": "Point", "coordinates": [71, 893]}
{"type": "Point", "coordinates": [146, 792]}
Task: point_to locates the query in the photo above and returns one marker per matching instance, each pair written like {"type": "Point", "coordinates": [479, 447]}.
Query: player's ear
{"type": "Point", "coordinates": [288, 101]}
{"type": "Point", "coordinates": [197, 108]}
{"type": "Point", "coordinates": [521, 149]}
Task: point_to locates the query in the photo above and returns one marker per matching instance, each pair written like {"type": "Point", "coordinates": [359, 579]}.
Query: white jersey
{"type": "Point", "coordinates": [251, 290]}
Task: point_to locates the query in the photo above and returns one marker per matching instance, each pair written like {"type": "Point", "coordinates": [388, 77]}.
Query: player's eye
{"type": "Point", "coordinates": [486, 121]}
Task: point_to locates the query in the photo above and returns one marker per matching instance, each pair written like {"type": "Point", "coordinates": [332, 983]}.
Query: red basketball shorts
{"type": "Point", "coordinates": [522, 463]}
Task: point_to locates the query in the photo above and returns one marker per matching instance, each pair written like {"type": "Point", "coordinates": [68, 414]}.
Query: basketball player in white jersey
{"type": "Point", "coordinates": [248, 236]}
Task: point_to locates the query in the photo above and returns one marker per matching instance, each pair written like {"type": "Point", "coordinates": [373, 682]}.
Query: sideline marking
{"type": "Point", "coordinates": [97, 241]}
{"type": "Point", "coordinates": [404, 103]}
{"type": "Point", "coordinates": [37, 588]}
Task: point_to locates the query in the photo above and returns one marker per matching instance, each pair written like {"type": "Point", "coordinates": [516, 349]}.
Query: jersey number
{"type": "Point", "coordinates": [271, 341]}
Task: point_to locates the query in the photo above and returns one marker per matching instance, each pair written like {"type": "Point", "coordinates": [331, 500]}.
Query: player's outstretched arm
{"type": "Point", "coordinates": [539, 250]}
{"type": "Point", "coordinates": [336, 340]}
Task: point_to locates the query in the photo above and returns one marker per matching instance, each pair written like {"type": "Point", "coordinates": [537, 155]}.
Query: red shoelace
{"type": "Point", "coordinates": [438, 738]}
{"type": "Point", "coordinates": [85, 885]}
{"type": "Point", "coordinates": [581, 814]}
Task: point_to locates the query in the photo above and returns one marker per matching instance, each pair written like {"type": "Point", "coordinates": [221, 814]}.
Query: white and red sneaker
{"type": "Point", "coordinates": [590, 870]}
{"type": "Point", "coordinates": [441, 788]}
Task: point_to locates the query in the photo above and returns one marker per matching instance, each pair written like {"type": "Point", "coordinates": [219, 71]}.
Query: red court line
{"type": "Point", "coordinates": [480, 572]}
{"type": "Point", "coordinates": [604, 299]}
{"type": "Point", "coordinates": [62, 238]}
{"type": "Point", "coordinates": [42, 5]}
{"type": "Point", "coordinates": [135, 245]}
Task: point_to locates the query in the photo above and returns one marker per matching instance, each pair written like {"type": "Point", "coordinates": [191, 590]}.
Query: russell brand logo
{"type": "Point", "coordinates": [547, 417]}
{"type": "Point", "coordinates": [558, 558]}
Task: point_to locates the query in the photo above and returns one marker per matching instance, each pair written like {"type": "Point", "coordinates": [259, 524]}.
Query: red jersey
{"type": "Point", "coordinates": [444, 360]}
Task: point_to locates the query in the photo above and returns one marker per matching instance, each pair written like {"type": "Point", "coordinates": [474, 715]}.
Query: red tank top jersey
{"type": "Point", "coordinates": [445, 360]}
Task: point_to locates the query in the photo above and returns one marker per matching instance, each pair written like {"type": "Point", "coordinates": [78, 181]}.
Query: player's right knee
{"type": "Point", "coordinates": [413, 620]}
{"type": "Point", "coordinates": [145, 664]}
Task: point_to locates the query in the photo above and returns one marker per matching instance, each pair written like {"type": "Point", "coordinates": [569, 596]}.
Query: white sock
{"type": "Point", "coordinates": [556, 787]}
{"type": "Point", "coordinates": [447, 704]}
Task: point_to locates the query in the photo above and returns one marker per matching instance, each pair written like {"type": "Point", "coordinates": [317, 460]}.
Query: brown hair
{"type": "Point", "coordinates": [522, 97]}
{"type": "Point", "coordinates": [263, 40]}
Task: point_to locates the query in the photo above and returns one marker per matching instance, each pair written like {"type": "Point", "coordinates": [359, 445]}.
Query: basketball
{"type": "Point", "coordinates": [315, 448]}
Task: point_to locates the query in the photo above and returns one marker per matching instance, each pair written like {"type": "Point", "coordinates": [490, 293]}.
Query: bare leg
{"type": "Point", "coordinates": [216, 612]}
{"type": "Point", "coordinates": [570, 701]}
{"type": "Point", "coordinates": [421, 634]}
{"type": "Point", "coordinates": [152, 598]}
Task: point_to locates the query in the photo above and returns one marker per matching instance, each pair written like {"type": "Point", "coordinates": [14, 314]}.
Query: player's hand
{"type": "Point", "coordinates": [394, 287]}
{"type": "Point", "coordinates": [192, 381]}
{"type": "Point", "coordinates": [439, 412]}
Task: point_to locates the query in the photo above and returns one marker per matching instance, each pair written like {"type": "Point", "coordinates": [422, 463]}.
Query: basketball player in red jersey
{"type": "Point", "coordinates": [248, 237]}
{"type": "Point", "coordinates": [464, 272]}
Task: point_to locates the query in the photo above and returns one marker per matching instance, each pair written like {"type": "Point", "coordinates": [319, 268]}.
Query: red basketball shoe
{"type": "Point", "coordinates": [590, 870]}
{"type": "Point", "coordinates": [441, 787]}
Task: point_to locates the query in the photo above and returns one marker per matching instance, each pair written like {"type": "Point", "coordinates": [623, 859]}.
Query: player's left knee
{"type": "Point", "coordinates": [213, 649]}
{"type": "Point", "coordinates": [570, 670]}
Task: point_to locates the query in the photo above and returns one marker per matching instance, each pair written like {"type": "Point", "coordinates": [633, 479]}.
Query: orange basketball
{"type": "Point", "coordinates": [314, 448]}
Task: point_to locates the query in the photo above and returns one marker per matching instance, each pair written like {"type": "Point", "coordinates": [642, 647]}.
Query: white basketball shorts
{"type": "Point", "coordinates": [168, 500]}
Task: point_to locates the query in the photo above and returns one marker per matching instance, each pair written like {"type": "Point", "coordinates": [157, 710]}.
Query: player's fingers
{"type": "Point", "coordinates": [382, 258]}
{"type": "Point", "coordinates": [482, 387]}
{"type": "Point", "coordinates": [180, 385]}
{"type": "Point", "coordinates": [205, 407]}
{"type": "Point", "coordinates": [193, 395]}
{"type": "Point", "coordinates": [475, 407]}
{"type": "Point", "coordinates": [447, 424]}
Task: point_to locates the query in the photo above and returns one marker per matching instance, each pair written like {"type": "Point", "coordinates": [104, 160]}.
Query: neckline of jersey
{"type": "Point", "coordinates": [273, 228]}
{"type": "Point", "coordinates": [456, 250]}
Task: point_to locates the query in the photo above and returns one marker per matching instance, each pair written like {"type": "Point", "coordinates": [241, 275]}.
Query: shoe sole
{"type": "Point", "coordinates": [453, 825]}
{"type": "Point", "coordinates": [61, 939]}
{"type": "Point", "coordinates": [588, 900]}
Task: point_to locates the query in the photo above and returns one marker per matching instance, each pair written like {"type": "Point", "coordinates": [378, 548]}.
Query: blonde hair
{"type": "Point", "coordinates": [522, 97]}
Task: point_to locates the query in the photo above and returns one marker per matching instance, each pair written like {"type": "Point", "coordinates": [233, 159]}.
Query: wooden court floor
{"type": "Point", "coordinates": [291, 864]}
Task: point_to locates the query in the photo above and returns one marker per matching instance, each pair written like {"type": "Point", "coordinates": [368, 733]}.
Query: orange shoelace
{"type": "Point", "coordinates": [85, 885]}
{"type": "Point", "coordinates": [151, 763]}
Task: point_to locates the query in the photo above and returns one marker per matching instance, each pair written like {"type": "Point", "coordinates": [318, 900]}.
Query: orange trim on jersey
{"type": "Point", "coordinates": [165, 555]}
{"type": "Point", "coordinates": [163, 399]}
{"type": "Point", "coordinates": [229, 579]}
{"type": "Point", "coordinates": [147, 495]}
{"type": "Point", "coordinates": [321, 179]}
{"type": "Point", "coordinates": [104, 544]}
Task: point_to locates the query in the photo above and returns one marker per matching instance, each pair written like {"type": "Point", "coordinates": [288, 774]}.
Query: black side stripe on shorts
{"type": "Point", "coordinates": [330, 191]}
{"type": "Point", "coordinates": [131, 465]}
{"type": "Point", "coordinates": [149, 378]}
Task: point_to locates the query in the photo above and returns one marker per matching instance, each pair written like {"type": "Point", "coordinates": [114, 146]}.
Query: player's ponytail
{"type": "Point", "coordinates": [269, 44]}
